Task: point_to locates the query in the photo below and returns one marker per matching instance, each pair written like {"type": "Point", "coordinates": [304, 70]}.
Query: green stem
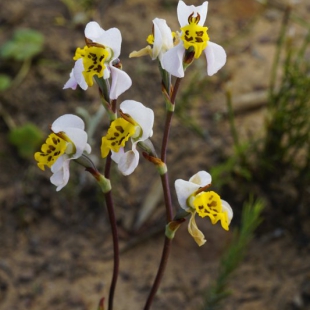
{"type": "Point", "coordinates": [276, 61]}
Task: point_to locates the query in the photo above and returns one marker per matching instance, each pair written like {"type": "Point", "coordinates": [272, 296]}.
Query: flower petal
{"type": "Point", "coordinates": [71, 83]}
{"type": "Point", "coordinates": [201, 178]}
{"type": "Point", "coordinates": [184, 189]}
{"type": "Point", "coordinates": [111, 38]}
{"type": "Point", "coordinates": [120, 82]}
{"type": "Point", "coordinates": [61, 172]}
{"type": "Point", "coordinates": [142, 115]}
{"type": "Point", "coordinates": [184, 11]}
{"type": "Point", "coordinates": [66, 121]}
{"type": "Point", "coordinates": [116, 156]}
{"type": "Point", "coordinates": [79, 139]}
{"type": "Point", "coordinates": [93, 31]}
{"type": "Point", "coordinates": [163, 39]}
{"type": "Point", "coordinates": [172, 60]}
{"type": "Point", "coordinates": [195, 232]}
{"type": "Point", "coordinates": [216, 57]}
{"type": "Point", "coordinates": [78, 74]}
{"type": "Point", "coordinates": [227, 208]}
{"type": "Point", "coordinates": [129, 161]}
{"type": "Point", "coordinates": [87, 149]}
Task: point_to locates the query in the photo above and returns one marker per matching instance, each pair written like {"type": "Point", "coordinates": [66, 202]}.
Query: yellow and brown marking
{"type": "Point", "coordinates": [51, 150]}
{"type": "Point", "coordinates": [194, 35]}
{"type": "Point", "coordinates": [94, 58]}
{"type": "Point", "coordinates": [118, 134]}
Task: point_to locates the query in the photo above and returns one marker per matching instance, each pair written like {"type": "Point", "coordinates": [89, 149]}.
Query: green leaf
{"type": "Point", "coordinates": [26, 43]}
{"type": "Point", "coordinates": [26, 139]}
{"type": "Point", "coordinates": [5, 82]}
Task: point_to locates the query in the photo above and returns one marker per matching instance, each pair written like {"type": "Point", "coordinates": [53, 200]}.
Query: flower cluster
{"type": "Point", "coordinates": [131, 123]}
{"type": "Point", "coordinates": [99, 61]}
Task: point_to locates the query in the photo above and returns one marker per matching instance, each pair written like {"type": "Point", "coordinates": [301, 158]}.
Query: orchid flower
{"type": "Point", "coordinates": [136, 123]}
{"type": "Point", "coordinates": [194, 200]}
{"type": "Point", "coordinates": [160, 41]}
{"type": "Point", "coordinates": [194, 38]}
{"type": "Point", "coordinates": [68, 141]}
{"type": "Point", "coordinates": [98, 58]}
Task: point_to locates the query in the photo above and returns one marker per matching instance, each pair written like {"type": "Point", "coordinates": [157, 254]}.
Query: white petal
{"type": "Point", "coordinates": [163, 40]}
{"type": "Point", "coordinates": [79, 139]}
{"type": "Point", "coordinates": [87, 149]}
{"type": "Point", "coordinates": [202, 178]}
{"type": "Point", "coordinates": [67, 121]}
{"type": "Point", "coordinates": [117, 156]}
{"type": "Point", "coordinates": [216, 57]}
{"type": "Point", "coordinates": [111, 38]}
{"type": "Point", "coordinates": [172, 60]}
{"type": "Point", "coordinates": [184, 189]}
{"type": "Point", "coordinates": [78, 75]}
{"type": "Point", "coordinates": [71, 83]}
{"type": "Point", "coordinates": [158, 39]}
{"type": "Point", "coordinates": [184, 11]}
{"type": "Point", "coordinates": [129, 162]}
{"type": "Point", "coordinates": [93, 31]}
{"type": "Point", "coordinates": [226, 207]}
{"type": "Point", "coordinates": [59, 163]}
{"type": "Point", "coordinates": [142, 115]}
{"type": "Point", "coordinates": [60, 178]}
{"type": "Point", "coordinates": [120, 82]}
{"type": "Point", "coordinates": [106, 72]}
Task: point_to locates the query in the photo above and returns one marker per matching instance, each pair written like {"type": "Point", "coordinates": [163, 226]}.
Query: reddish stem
{"type": "Point", "coordinates": [168, 203]}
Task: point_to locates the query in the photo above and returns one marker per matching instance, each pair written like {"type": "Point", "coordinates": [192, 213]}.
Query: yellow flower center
{"type": "Point", "coordinates": [118, 134]}
{"type": "Point", "coordinates": [150, 39]}
{"type": "Point", "coordinates": [93, 60]}
{"type": "Point", "coordinates": [194, 35]}
{"type": "Point", "coordinates": [51, 150]}
{"type": "Point", "coordinates": [209, 204]}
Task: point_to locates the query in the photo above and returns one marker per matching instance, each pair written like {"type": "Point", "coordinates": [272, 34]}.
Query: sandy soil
{"type": "Point", "coordinates": [55, 248]}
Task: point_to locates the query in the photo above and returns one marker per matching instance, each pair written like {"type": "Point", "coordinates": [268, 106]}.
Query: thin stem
{"type": "Point", "coordinates": [168, 121]}
{"type": "Point", "coordinates": [167, 197]}
{"type": "Point", "coordinates": [109, 203]}
{"type": "Point", "coordinates": [160, 273]}
{"type": "Point", "coordinates": [110, 207]}
{"type": "Point", "coordinates": [166, 136]}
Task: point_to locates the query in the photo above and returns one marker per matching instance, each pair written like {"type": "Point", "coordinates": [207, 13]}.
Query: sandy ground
{"type": "Point", "coordinates": [55, 248]}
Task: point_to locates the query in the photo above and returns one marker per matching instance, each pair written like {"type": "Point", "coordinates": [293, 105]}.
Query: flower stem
{"type": "Point", "coordinates": [168, 121]}
{"type": "Point", "coordinates": [109, 203]}
{"type": "Point", "coordinates": [110, 207]}
{"type": "Point", "coordinates": [167, 197]}
{"type": "Point", "coordinates": [160, 273]}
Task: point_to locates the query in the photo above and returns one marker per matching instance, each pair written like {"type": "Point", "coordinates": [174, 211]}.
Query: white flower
{"type": "Point", "coordinates": [68, 141]}
{"type": "Point", "coordinates": [136, 124]}
{"type": "Point", "coordinates": [194, 200]}
{"type": "Point", "coordinates": [194, 36]}
{"type": "Point", "coordinates": [161, 40]}
{"type": "Point", "coordinates": [97, 58]}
